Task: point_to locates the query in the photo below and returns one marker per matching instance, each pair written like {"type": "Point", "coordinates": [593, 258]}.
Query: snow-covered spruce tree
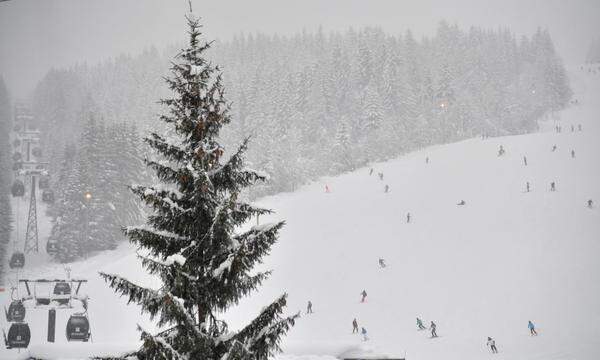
{"type": "Point", "coordinates": [191, 239]}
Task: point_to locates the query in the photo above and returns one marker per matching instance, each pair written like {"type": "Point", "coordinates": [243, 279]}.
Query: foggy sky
{"type": "Point", "coordinates": [36, 35]}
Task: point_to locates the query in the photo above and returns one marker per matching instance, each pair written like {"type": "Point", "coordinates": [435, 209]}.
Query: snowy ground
{"type": "Point", "coordinates": [483, 269]}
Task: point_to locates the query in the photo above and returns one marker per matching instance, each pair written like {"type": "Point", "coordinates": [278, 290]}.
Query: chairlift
{"type": "Point", "coordinates": [17, 260]}
{"type": "Point", "coordinates": [48, 196]}
{"type": "Point", "coordinates": [19, 336]}
{"type": "Point", "coordinates": [62, 291]}
{"type": "Point", "coordinates": [15, 312]}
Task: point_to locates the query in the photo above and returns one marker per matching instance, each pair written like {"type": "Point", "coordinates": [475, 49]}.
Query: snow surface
{"type": "Point", "coordinates": [479, 270]}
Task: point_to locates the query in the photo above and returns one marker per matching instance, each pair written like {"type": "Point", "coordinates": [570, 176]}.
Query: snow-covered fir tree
{"type": "Point", "coordinates": [5, 170]}
{"type": "Point", "coordinates": [191, 240]}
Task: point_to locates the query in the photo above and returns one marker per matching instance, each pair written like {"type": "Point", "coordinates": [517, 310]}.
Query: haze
{"type": "Point", "coordinates": [38, 35]}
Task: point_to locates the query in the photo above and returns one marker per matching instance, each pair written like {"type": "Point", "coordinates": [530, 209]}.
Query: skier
{"type": "Point", "coordinates": [492, 344]}
{"type": "Point", "coordinates": [531, 328]}
{"type": "Point", "coordinates": [552, 186]}
{"type": "Point", "coordinates": [501, 151]}
{"type": "Point", "coordinates": [554, 148]}
{"type": "Point", "coordinates": [407, 218]}
{"type": "Point", "coordinates": [364, 296]}
{"type": "Point", "coordinates": [590, 203]}
{"type": "Point", "coordinates": [432, 327]}
{"type": "Point", "coordinates": [327, 189]}
{"type": "Point", "coordinates": [579, 127]}
{"type": "Point", "coordinates": [364, 334]}
{"type": "Point", "coordinates": [371, 172]}
{"type": "Point", "coordinates": [387, 188]}
{"type": "Point", "coordinates": [380, 176]}
{"type": "Point", "coordinates": [525, 160]}
{"type": "Point", "coordinates": [309, 309]}
{"type": "Point", "coordinates": [462, 202]}
{"type": "Point", "coordinates": [420, 325]}
{"type": "Point", "coordinates": [381, 263]}
{"type": "Point", "coordinates": [572, 128]}
{"type": "Point", "coordinates": [527, 187]}
{"type": "Point", "coordinates": [354, 326]}
{"type": "Point", "coordinates": [427, 160]}
{"type": "Point", "coordinates": [573, 154]}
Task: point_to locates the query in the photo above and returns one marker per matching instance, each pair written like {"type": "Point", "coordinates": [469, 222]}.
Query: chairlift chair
{"type": "Point", "coordinates": [17, 260]}
{"type": "Point", "coordinates": [19, 336]}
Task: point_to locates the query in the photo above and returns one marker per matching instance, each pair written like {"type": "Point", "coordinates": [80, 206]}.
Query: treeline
{"type": "Point", "coordinates": [5, 177]}
{"type": "Point", "coordinates": [91, 187]}
{"type": "Point", "coordinates": [319, 104]}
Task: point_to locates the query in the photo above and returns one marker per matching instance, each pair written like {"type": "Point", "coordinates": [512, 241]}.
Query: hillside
{"type": "Point", "coordinates": [478, 270]}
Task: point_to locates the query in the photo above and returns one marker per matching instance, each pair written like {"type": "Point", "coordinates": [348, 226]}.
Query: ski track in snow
{"type": "Point", "coordinates": [479, 270]}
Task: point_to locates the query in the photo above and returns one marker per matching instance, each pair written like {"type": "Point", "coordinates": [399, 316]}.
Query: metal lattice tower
{"type": "Point", "coordinates": [31, 237]}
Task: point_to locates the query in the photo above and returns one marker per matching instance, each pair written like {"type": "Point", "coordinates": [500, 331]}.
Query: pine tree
{"type": "Point", "coordinates": [205, 266]}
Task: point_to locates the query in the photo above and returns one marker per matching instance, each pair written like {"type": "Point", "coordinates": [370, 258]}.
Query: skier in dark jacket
{"type": "Point", "coordinates": [552, 186]}
{"type": "Point", "coordinates": [590, 203]}
{"type": "Point", "coordinates": [382, 263]}
{"type": "Point", "coordinates": [433, 327]}
{"type": "Point", "coordinates": [354, 326]}
{"type": "Point", "coordinates": [501, 151]}
{"type": "Point", "coordinates": [531, 328]}
{"type": "Point", "coordinates": [527, 187]}
{"type": "Point", "coordinates": [525, 160]}
{"type": "Point", "coordinates": [387, 188]}
{"type": "Point", "coordinates": [371, 172]}
{"type": "Point", "coordinates": [407, 218]}
{"type": "Point", "coordinates": [573, 154]}
{"type": "Point", "coordinates": [462, 202]}
{"type": "Point", "coordinates": [554, 147]}
{"type": "Point", "coordinates": [309, 309]}
{"type": "Point", "coordinates": [492, 344]}
{"type": "Point", "coordinates": [364, 296]}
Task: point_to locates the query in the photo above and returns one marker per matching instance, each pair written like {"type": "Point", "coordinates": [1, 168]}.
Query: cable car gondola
{"type": "Point", "coordinates": [15, 312]}
{"type": "Point", "coordinates": [62, 292]}
{"type": "Point", "coordinates": [37, 152]}
{"type": "Point", "coordinates": [48, 196]}
{"type": "Point", "coordinates": [78, 328]}
{"type": "Point", "coordinates": [18, 188]}
{"type": "Point", "coordinates": [17, 260]}
{"type": "Point", "coordinates": [51, 247]}
{"type": "Point", "coordinates": [19, 336]}
{"type": "Point", "coordinates": [44, 182]}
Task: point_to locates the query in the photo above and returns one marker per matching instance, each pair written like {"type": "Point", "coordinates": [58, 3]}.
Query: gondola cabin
{"type": "Point", "coordinates": [48, 196]}
{"type": "Point", "coordinates": [44, 183]}
{"type": "Point", "coordinates": [18, 188]}
{"type": "Point", "coordinates": [78, 328]}
{"type": "Point", "coordinates": [19, 336]}
{"type": "Point", "coordinates": [62, 292]}
{"type": "Point", "coordinates": [17, 260]}
{"type": "Point", "coordinates": [51, 247]}
{"type": "Point", "coordinates": [15, 312]}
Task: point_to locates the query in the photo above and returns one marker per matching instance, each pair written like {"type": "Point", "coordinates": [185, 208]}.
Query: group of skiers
{"type": "Point", "coordinates": [558, 128]}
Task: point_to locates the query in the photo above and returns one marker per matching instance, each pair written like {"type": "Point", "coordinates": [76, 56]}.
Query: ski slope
{"type": "Point", "coordinates": [483, 269]}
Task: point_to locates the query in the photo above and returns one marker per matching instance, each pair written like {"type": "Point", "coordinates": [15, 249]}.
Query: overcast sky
{"type": "Point", "coordinates": [36, 35]}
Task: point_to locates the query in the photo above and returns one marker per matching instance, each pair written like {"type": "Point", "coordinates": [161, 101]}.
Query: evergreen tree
{"type": "Point", "coordinates": [205, 266]}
